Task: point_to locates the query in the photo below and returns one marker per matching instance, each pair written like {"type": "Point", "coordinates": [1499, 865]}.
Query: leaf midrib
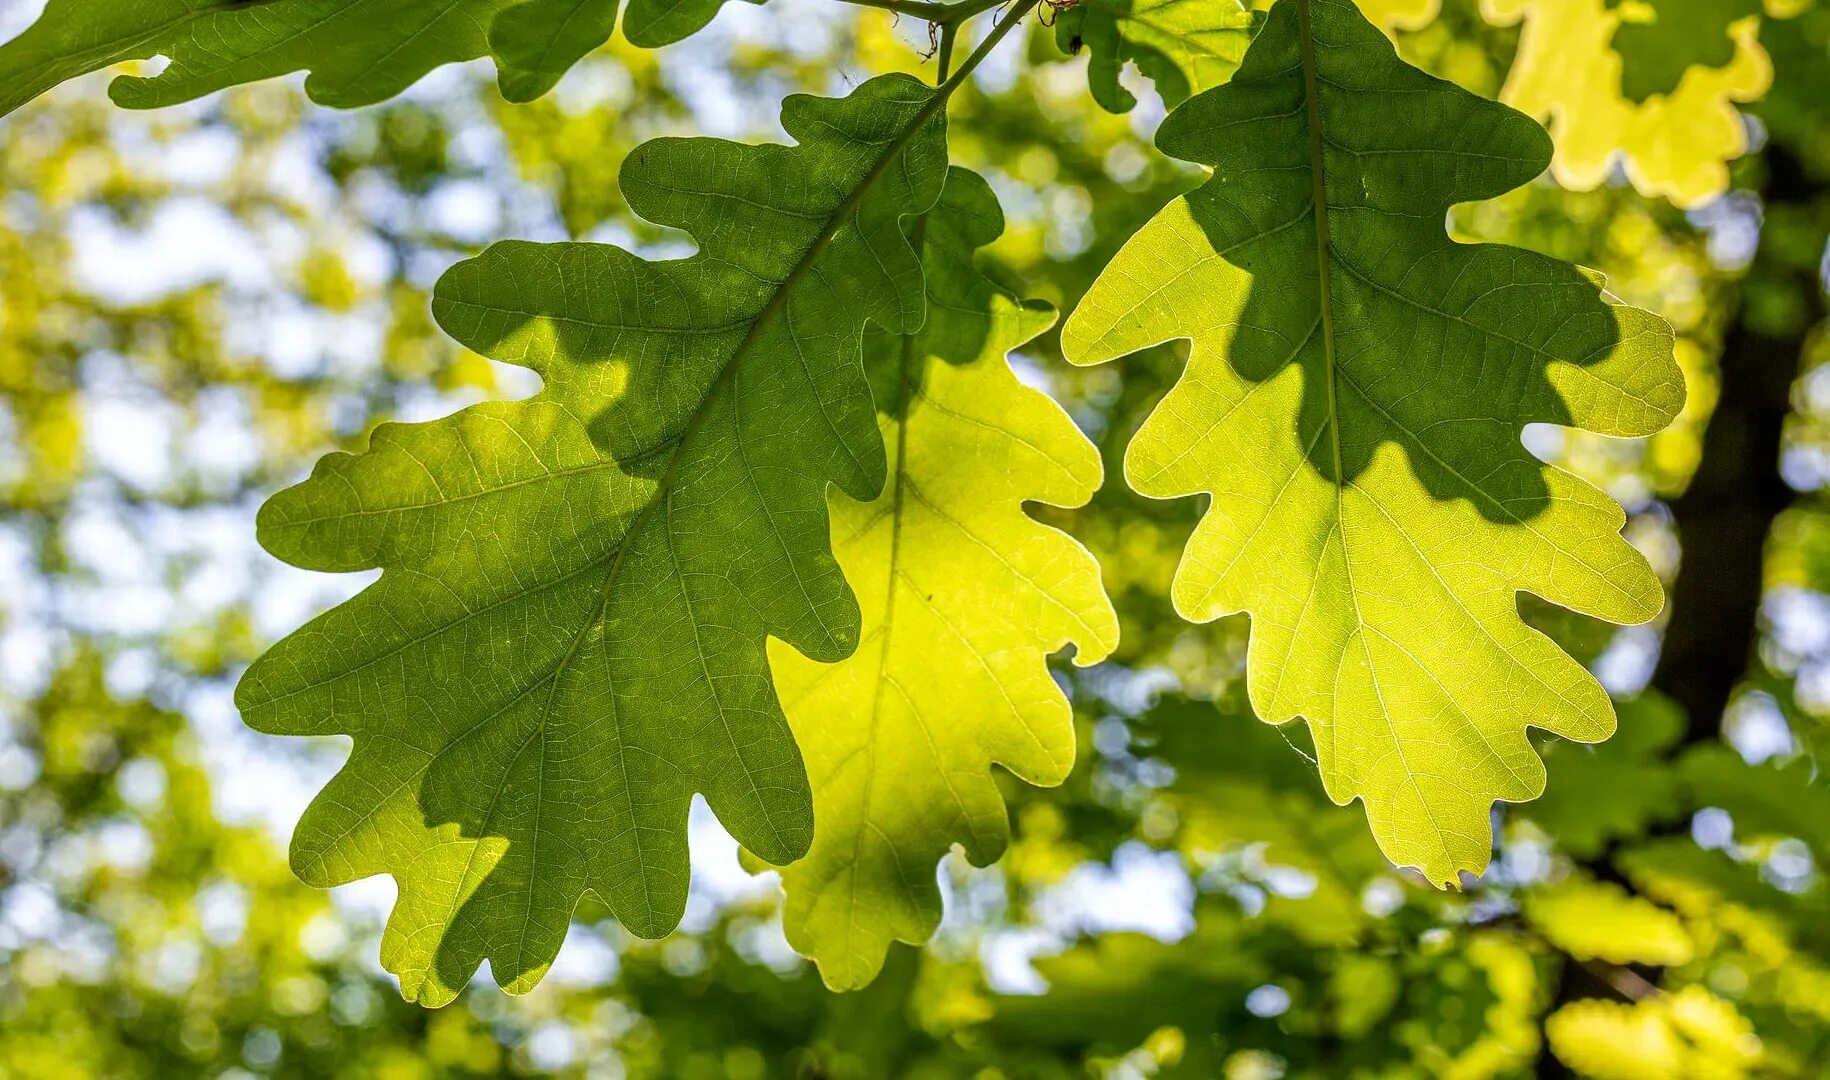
{"type": "Point", "coordinates": [442, 628]}
{"type": "Point", "coordinates": [1318, 202]}
{"type": "Point", "coordinates": [664, 491]}
{"type": "Point", "coordinates": [844, 212]}
{"type": "Point", "coordinates": [1326, 257]}
{"type": "Point", "coordinates": [1324, 274]}
{"type": "Point", "coordinates": [905, 360]}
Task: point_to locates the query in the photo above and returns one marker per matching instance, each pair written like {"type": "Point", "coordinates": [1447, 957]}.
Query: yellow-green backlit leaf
{"type": "Point", "coordinates": [1183, 46]}
{"type": "Point", "coordinates": [1687, 1035]}
{"type": "Point", "coordinates": [1659, 40]}
{"type": "Point", "coordinates": [1713, 889]}
{"type": "Point", "coordinates": [1600, 920]}
{"type": "Point", "coordinates": [963, 595]}
{"type": "Point", "coordinates": [1401, 14]}
{"type": "Point", "coordinates": [1353, 401]}
{"type": "Point", "coordinates": [1676, 144]}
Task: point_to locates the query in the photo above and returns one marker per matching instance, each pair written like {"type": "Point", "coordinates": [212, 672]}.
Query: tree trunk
{"type": "Point", "coordinates": [1724, 516]}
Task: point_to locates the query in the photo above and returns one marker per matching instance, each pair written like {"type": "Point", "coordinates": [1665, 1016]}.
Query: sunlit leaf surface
{"type": "Point", "coordinates": [963, 595]}
{"type": "Point", "coordinates": [1184, 46]}
{"type": "Point", "coordinates": [1353, 403]}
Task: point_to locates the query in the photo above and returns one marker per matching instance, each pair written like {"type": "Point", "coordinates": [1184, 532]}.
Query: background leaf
{"type": "Point", "coordinates": [1691, 1033]}
{"type": "Point", "coordinates": [1400, 14]}
{"type": "Point", "coordinates": [1675, 144]}
{"type": "Point", "coordinates": [1770, 799]}
{"type": "Point", "coordinates": [1613, 791]}
{"type": "Point", "coordinates": [1599, 919]}
{"type": "Point", "coordinates": [1240, 783]}
{"type": "Point", "coordinates": [1659, 42]}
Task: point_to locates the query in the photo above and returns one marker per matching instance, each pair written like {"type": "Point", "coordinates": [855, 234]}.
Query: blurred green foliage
{"type": "Point", "coordinates": [195, 303]}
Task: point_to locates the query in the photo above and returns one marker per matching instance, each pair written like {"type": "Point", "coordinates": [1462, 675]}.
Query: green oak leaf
{"type": "Point", "coordinates": [964, 596]}
{"type": "Point", "coordinates": [358, 51]}
{"type": "Point", "coordinates": [568, 638]}
{"type": "Point", "coordinates": [1659, 40]}
{"type": "Point", "coordinates": [1353, 400]}
{"type": "Point", "coordinates": [538, 41]}
{"type": "Point", "coordinates": [1183, 46]}
{"type": "Point", "coordinates": [653, 23]}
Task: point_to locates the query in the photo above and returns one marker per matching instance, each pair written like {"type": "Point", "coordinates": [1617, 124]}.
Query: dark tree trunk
{"type": "Point", "coordinates": [1725, 515]}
